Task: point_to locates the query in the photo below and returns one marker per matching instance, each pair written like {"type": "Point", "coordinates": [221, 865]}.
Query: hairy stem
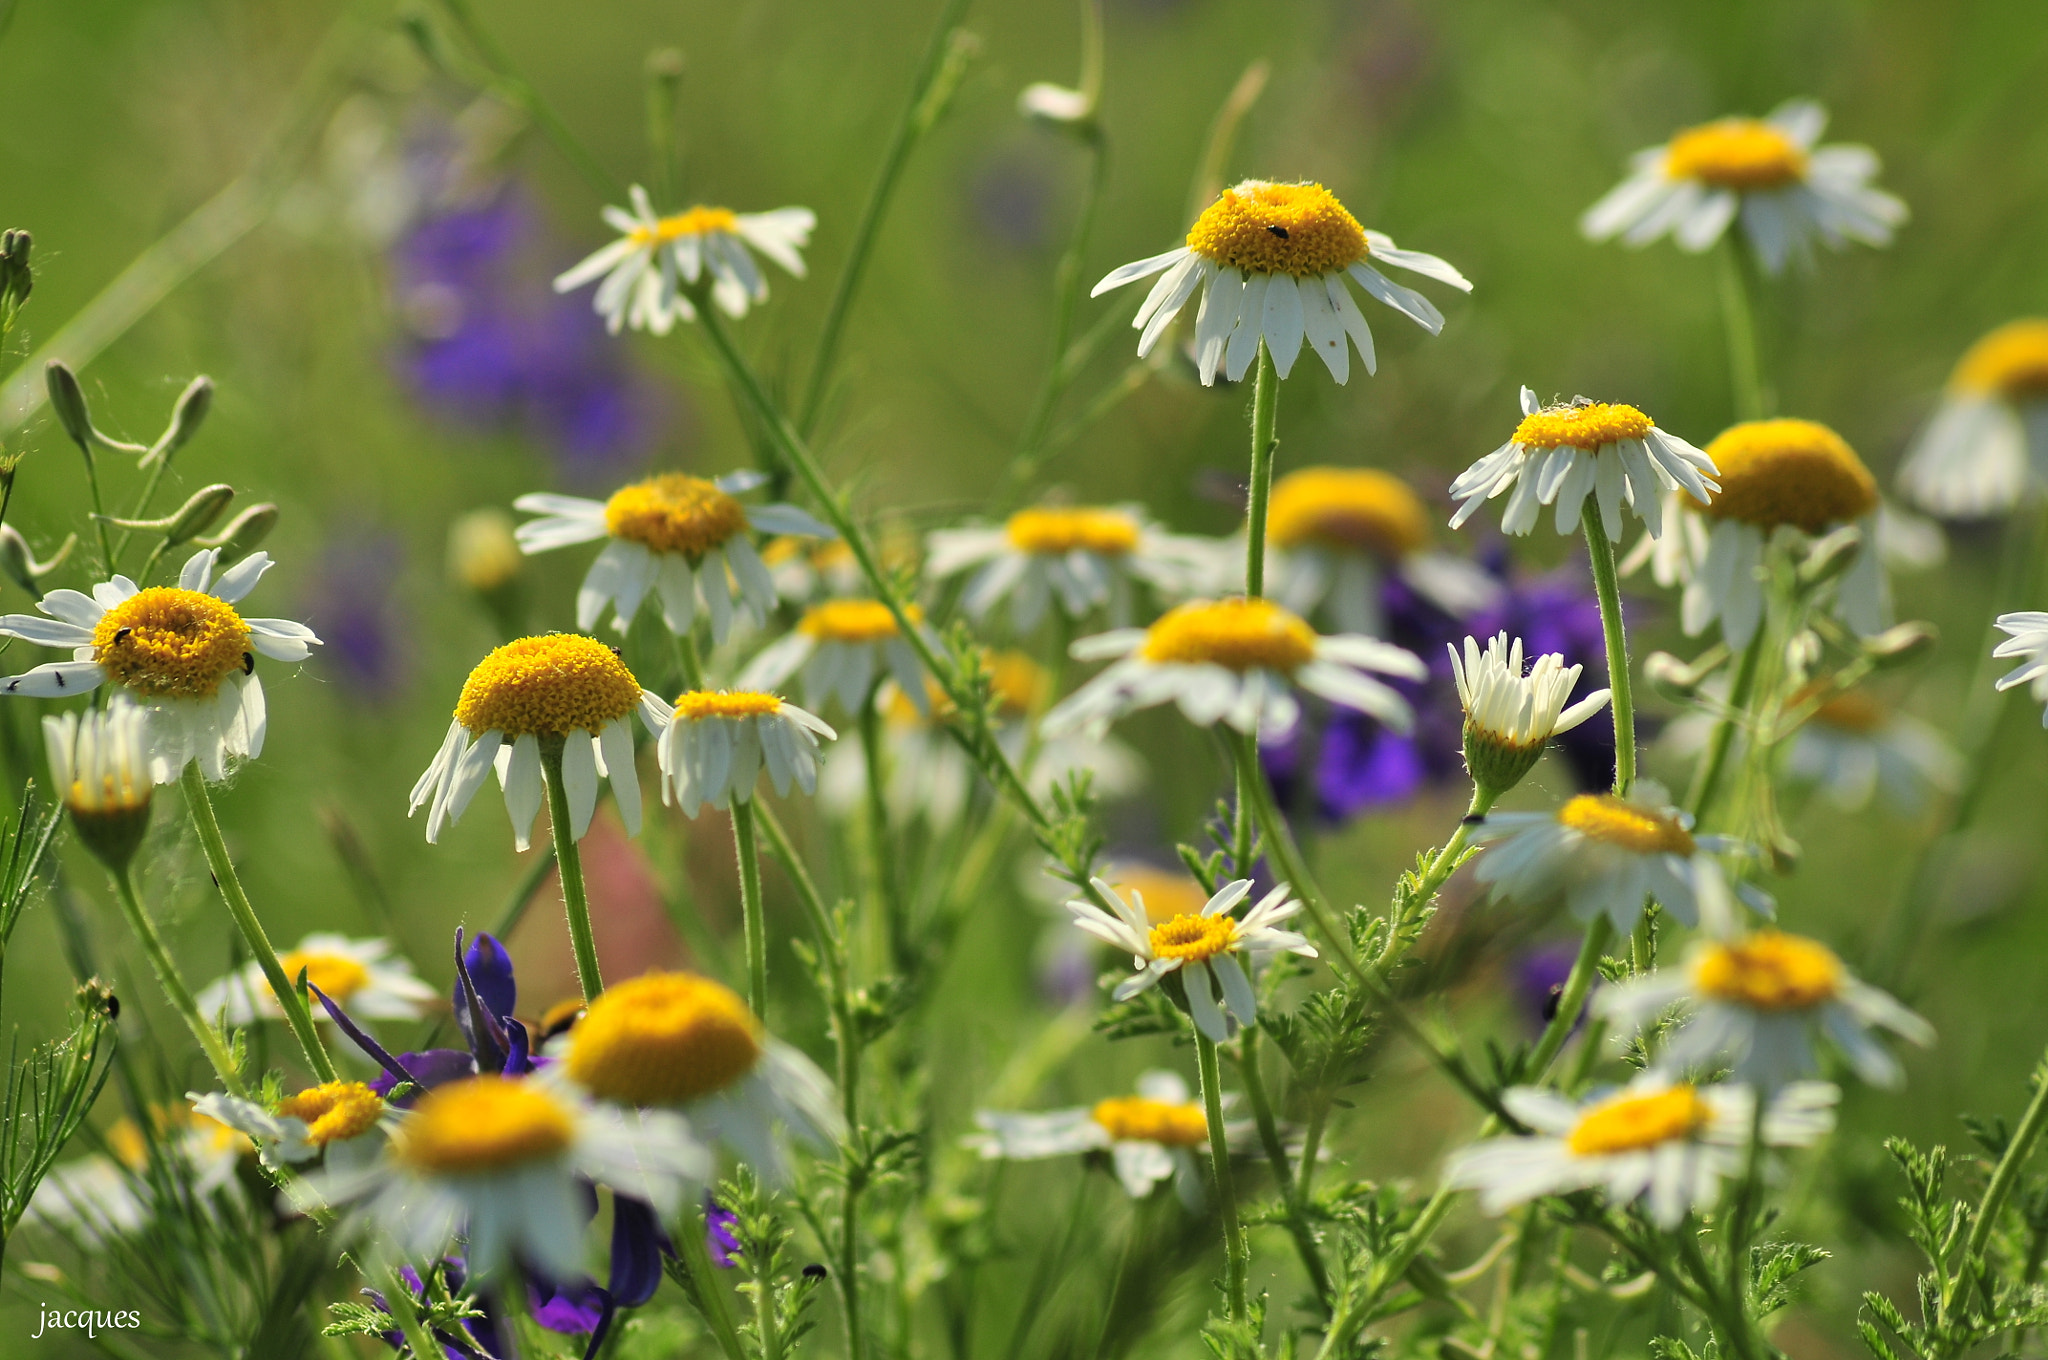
{"type": "Point", "coordinates": [575, 899]}
{"type": "Point", "coordinates": [750, 907]}
{"type": "Point", "coordinates": [1236, 1253]}
{"type": "Point", "coordinates": [1607, 585]}
{"type": "Point", "coordinates": [1265, 417]}
{"type": "Point", "coordinates": [711, 1298]}
{"type": "Point", "coordinates": [1707, 783]}
{"type": "Point", "coordinates": [2003, 1178]}
{"type": "Point", "coordinates": [1291, 1191]}
{"type": "Point", "coordinates": [1738, 316]}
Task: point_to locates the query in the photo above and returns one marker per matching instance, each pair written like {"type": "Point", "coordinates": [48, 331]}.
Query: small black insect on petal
{"type": "Point", "coordinates": [60, 679]}
{"type": "Point", "coordinates": [1280, 232]}
{"type": "Point", "coordinates": [248, 663]}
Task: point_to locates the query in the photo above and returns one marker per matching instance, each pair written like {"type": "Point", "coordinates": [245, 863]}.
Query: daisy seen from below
{"type": "Point", "coordinates": [839, 647]}
{"type": "Point", "coordinates": [1563, 454]}
{"type": "Point", "coordinates": [1986, 449]}
{"type": "Point", "coordinates": [1510, 714]}
{"type": "Point", "coordinates": [656, 257]}
{"type": "Point", "coordinates": [684, 1043]}
{"type": "Point", "coordinates": [1659, 1142]}
{"type": "Point", "coordinates": [1756, 1001]}
{"type": "Point", "coordinates": [344, 1121]}
{"type": "Point", "coordinates": [2027, 638]}
{"type": "Point", "coordinates": [1271, 260]}
{"type": "Point", "coordinates": [1150, 1137]}
{"type": "Point", "coordinates": [717, 742]}
{"type": "Point", "coordinates": [1203, 948]}
{"type": "Point", "coordinates": [681, 539]}
{"type": "Point", "coordinates": [559, 690]}
{"type": "Point", "coordinates": [1236, 661]}
{"type": "Point", "coordinates": [1854, 745]}
{"type": "Point", "coordinates": [1787, 191]}
{"type": "Point", "coordinates": [184, 653]}
{"type": "Point", "coordinates": [1080, 558]}
{"type": "Point", "coordinates": [363, 975]}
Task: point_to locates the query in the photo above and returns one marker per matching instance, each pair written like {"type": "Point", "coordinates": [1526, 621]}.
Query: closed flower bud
{"type": "Point", "coordinates": [1902, 643]}
{"type": "Point", "coordinates": [186, 417]}
{"type": "Point", "coordinates": [67, 399]}
{"type": "Point", "coordinates": [198, 513]}
{"type": "Point", "coordinates": [243, 533]}
{"type": "Point", "coordinates": [1673, 678]}
{"type": "Point", "coordinates": [1831, 555]}
{"type": "Point", "coordinates": [99, 763]}
{"type": "Point", "coordinates": [16, 560]}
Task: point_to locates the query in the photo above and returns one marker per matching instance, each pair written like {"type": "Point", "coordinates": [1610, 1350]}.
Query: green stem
{"type": "Point", "coordinates": [1707, 783]}
{"type": "Point", "coordinates": [2003, 1178]}
{"type": "Point", "coordinates": [1607, 585]}
{"type": "Point", "coordinates": [174, 984]}
{"type": "Point", "coordinates": [518, 90]}
{"type": "Point", "coordinates": [765, 1329]}
{"type": "Point", "coordinates": [1283, 1174]}
{"type": "Point", "coordinates": [1738, 316]}
{"type": "Point", "coordinates": [1265, 416]}
{"type": "Point", "coordinates": [99, 515]}
{"type": "Point", "coordinates": [575, 900]}
{"type": "Point", "coordinates": [1236, 1254]}
{"type": "Point", "coordinates": [215, 847]}
{"type": "Point", "coordinates": [881, 849]}
{"type": "Point", "coordinates": [711, 1299]}
{"type": "Point", "coordinates": [750, 907]}
{"type": "Point", "coordinates": [399, 1295]}
{"type": "Point", "coordinates": [1741, 1221]}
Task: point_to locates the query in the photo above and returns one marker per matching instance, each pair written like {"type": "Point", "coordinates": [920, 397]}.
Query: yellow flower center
{"type": "Point", "coordinates": [1015, 681]}
{"type": "Point", "coordinates": [674, 513]}
{"type": "Point", "coordinates": [1134, 1119]}
{"type": "Point", "coordinates": [338, 975]}
{"type": "Point", "coordinates": [1194, 937]}
{"type": "Point", "coordinates": [1630, 1123]}
{"type": "Point", "coordinates": [1262, 228]}
{"type": "Point", "coordinates": [2011, 362]}
{"type": "Point", "coordinates": [487, 1123]}
{"type": "Point", "coordinates": [170, 643]}
{"type": "Point", "coordinates": [1237, 634]}
{"type": "Point", "coordinates": [1770, 971]}
{"type": "Point", "coordinates": [664, 1039]}
{"type": "Point", "coordinates": [1356, 508]}
{"type": "Point", "coordinates": [850, 621]}
{"type": "Point", "coordinates": [1166, 895]}
{"type": "Point", "coordinates": [550, 685]}
{"type": "Point", "coordinates": [334, 1111]}
{"type": "Point", "coordinates": [1616, 821]}
{"type": "Point", "coordinates": [698, 221]}
{"type": "Point", "coordinates": [1850, 711]}
{"type": "Point", "coordinates": [1582, 427]}
{"type": "Point", "coordinates": [1735, 153]}
{"type": "Point", "coordinates": [130, 1147]}
{"type": "Point", "coordinates": [1796, 472]}
{"type": "Point", "coordinates": [703, 703]}
{"type": "Point", "coordinates": [1053, 531]}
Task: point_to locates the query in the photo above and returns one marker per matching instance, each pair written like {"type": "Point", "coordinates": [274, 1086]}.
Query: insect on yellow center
{"type": "Point", "coordinates": [1770, 971]}
{"type": "Point", "coordinates": [1631, 1123]}
{"type": "Point", "coordinates": [698, 704]}
{"type": "Point", "coordinates": [1618, 822]}
{"type": "Point", "coordinates": [1052, 531]}
{"type": "Point", "coordinates": [1582, 427]}
{"type": "Point", "coordinates": [550, 685]}
{"type": "Point", "coordinates": [2011, 362]}
{"type": "Point", "coordinates": [698, 221]}
{"type": "Point", "coordinates": [487, 1123]}
{"type": "Point", "coordinates": [1736, 153]}
{"type": "Point", "coordinates": [674, 513]}
{"type": "Point", "coordinates": [1237, 634]}
{"type": "Point", "coordinates": [338, 975]}
{"type": "Point", "coordinates": [1263, 228]}
{"type": "Point", "coordinates": [1362, 509]}
{"type": "Point", "coordinates": [1165, 895]}
{"type": "Point", "coordinates": [1194, 938]}
{"type": "Point", "coordinates": [664, 1039]}
{"type": "Point", "coordinates": [1795, 472]}
{"type": "Point", "coordinates": [850, 621]}
{"type": "Point", "coordinates": [334, 1111]}
{"type": "Point", "coordinates": [171, 643]}
{"type": "Point", "coordinates": [1134, 1119]}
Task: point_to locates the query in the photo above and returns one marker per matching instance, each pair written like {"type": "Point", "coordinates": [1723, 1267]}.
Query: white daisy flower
{"type": "Point", "coordinates": [1236, 661]}
{"type": "Point", "coordinates": [1080, 557]}
{"type": "Point", "coordinates": [1755, 1003]}
{"type": "Point", "coordinates": [183, 652]}
{"type": "Point", "coordinates": [1271, 260]}
{"type": "Point", "coordinates": [717, 741]}
{"type": "Point", "coordinates": [680, 538]}
{"type": "Point", "coordinates": [100, 1196]}
{"type": "Point", "coordinates": [2027, 638]}
{"type": "Point", "coordinates": [558, 687]}
{"type": "Point", "coordinates": [342, 1120]}
{"type": "Point", "coordinates": [1510, 716]}
{"type": "Point", "coordinates": [1202, 948]}
{"type": "Point", "coordinates": [362, 975]}
{"type": "Point", "coordinates": [840, 647]}
{"type": "Point", "coordinates": [499, 1163]}
{"type": "Point", "coordinates": [1605, 854]}
{"type": "Point", "coordinates": [806, 570]}
{"type": "Point", "coordinates": [1152, 1136]}
{"type": "Point", "coordinates": [1787, 191]}
{"type": "Point", "coordinates": [1659, 1142]}
{"type": "Point", "coordinates": [655, 257]}
{"type": "Point", "coordinates": [1986, 449]}
{"type": "Point", "coordinates": [1854, 745]}
{"type": "Point", "coordinates": [1565, 454]}
{"type": "Point", "coordinates": [676, 1041]}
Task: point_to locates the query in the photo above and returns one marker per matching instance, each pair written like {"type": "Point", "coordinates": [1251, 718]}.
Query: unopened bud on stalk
{"type": "Point", "coordinates": [1673, 678]}
{"type": "Point", "coordinates": [243, 533]}
{"type": "Point", "coordinates": [1804, 651]}
{"type": "Point", "coordinates": [1830, 556]}
{"type": "Point", "coordinates": [67, 399]}
{"type": "Point", "coordinates": [186, 417]}
{"type": "Point", "coordinates": [198, 513]}
{"type": "Point", "coordinates": [99, 761]}
{"type": "Point", "coordinates": [20, 564]}
{"type": "Point", "coordinates": [1902, 643]}
{"type": "Point", "coordinates": [1511, 717]}
{"type": "Point", "coordinates": [15, 279]}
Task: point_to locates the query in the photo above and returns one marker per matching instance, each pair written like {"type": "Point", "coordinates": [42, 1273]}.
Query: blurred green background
{"type": "Point", "coordinates": [1477, 130]}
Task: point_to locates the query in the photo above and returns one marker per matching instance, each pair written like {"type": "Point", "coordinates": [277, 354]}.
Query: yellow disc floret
{"type": "Point", "coordinates": [2011, 362]}
{"type": "Point", "coordinates": [1357, 508]}
{"type": "Point", "coordinates": [334, 1110]}
{"type": "Point", "coordinates": [1165, 895]}
{"type": "Point", "coordinates": [1631, 1123]}
{"type": "Point", "coordinates": [1237, 634]}
{"type": "Point", "coordinates": [1770, 971]}
{"type": "Point", "coordinates": [1054, 531]}
{"type": "Point", "coordinates": [1796, 472]}
{"type": "Point", "coordinates": [698, 221]}
{"type": "Point", "coordinates": [1736, 153]}
{"type": "Point", "coordinates": [674, 513]}
{"type": "Point", "coordinates": [698, 704]}
{"type": "Point", "coordinates": [851, 621]}
{"type": "Point", "coordinates": [1616, 821]}
{"type": "Point", "coordinates": [171, 643]}
{"type": "Point", "coordinates": [1582, 427]}
{"type": "Point", "coordinates": [664, 1039]}
{"type": "Point", "coordinates": [1194, 938]}
{"type": "Point", "coordinates": [487, 1123]}
{"type": "Point", "coordinates": [338, 975]}
{"type": "Point", "coordinates": [1134, 1119]}
{"type": "Point", "coordinates": [1262, 228]}
{"type": "Point", "coordinates": [550, 685]}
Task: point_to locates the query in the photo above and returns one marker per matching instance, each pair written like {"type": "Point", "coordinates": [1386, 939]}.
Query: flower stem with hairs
{"type": "Point", "coordinates": [750, 907]}
{"type": "Point", "coordinates": [173, 983]}
{"type": "Point", "coordinates": [1236, 1251]}
{"type": "Point", "coordinates": [575, 899]}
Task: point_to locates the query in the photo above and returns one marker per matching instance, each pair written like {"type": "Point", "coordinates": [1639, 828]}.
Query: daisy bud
{"type": "Point", "coordinates": [15, 279]}
{"type": "Point", "coordinates": [198, 513]}
{"type": "Point", "coordinates": [67, 399]}
{"type": "Point", "coordinates": [1673, 678]}
{"type": "Point", "coordinates": [1804, 651]}
{"type": "Point", "coordinates": [17, 561]}
{"type": "Point", "coordinates": [1902, 643]}
{"type": "Point", "coordinates": [243, 533]}
{"type": "Point", "coordinates": [1831, 556]}
{"type": "Point", "coordinates": [99, 763]}
{"type": "Point", "coordinates": [186, 418]}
